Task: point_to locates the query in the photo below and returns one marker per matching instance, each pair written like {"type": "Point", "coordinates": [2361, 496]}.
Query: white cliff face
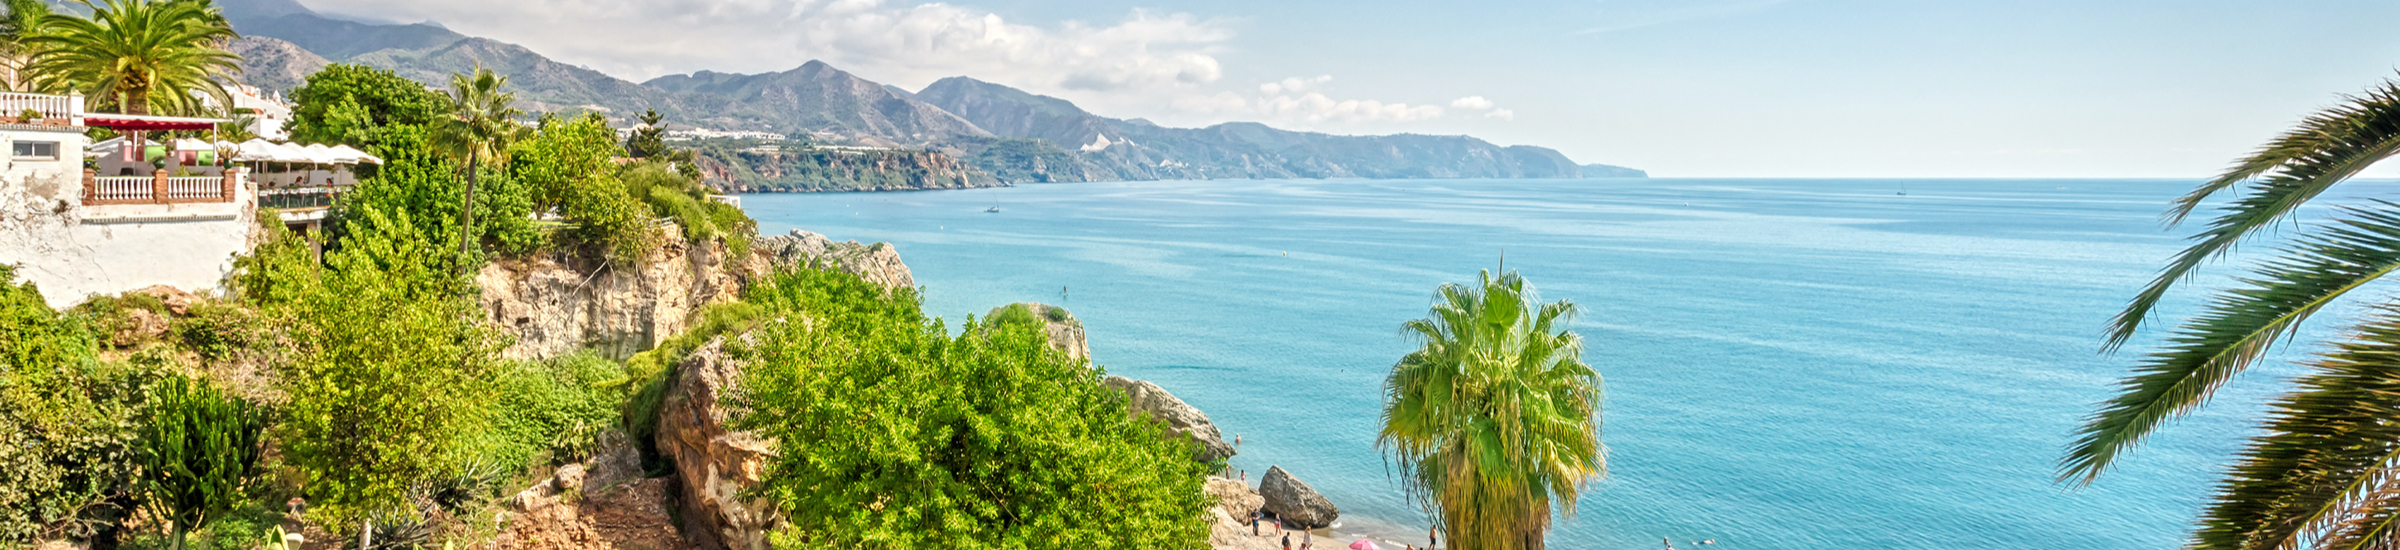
{"type": "Point", "coordinates": [556, 304]}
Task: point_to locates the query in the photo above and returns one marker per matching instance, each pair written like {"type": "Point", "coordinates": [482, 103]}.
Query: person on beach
{"type": "Point", "coordinates": [1433, 537]}
{"type": "Point", "coordinates": [1287, 541]}
{"type": "Point", "coordinates": [1253, 523]}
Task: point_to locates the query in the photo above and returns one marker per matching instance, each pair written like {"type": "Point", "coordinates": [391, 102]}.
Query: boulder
{"type": "Point", "coordinates": [1229, 522]}
{"type": "Point", "coordinates": [1063, 329]}
{"type": "Point", "coordinates": [177, 301]}
{"type": "Point", "coordinates": [715, 462]}
{"type": "Point", "coordinates": [614, 461]}
{"type": "Point", "coordinates": [1145, 398]}
{"type": "Point", "coordinates": [1294, 501]}
{"type": "Point", "coordinates": [878, 263]}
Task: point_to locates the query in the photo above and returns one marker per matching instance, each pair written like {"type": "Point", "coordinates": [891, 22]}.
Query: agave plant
{"type": "Point", "coordinates": [2320, 476]}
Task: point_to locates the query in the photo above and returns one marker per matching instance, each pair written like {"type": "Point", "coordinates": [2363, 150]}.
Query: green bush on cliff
{"type": "Point", "coordinates": [540, 408]}
{"type": "Point", "coordinates": [893, 434]}
{"type": "Point", "coordinates": [384, 383]}
{"type": "Point", "coordinates": [430, 189]}
{"type": "Point", "coordinates": [67, 421]}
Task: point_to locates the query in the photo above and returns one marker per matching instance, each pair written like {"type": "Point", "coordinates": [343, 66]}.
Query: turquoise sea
{"type": "Point", "coordinates": [1790, 364]}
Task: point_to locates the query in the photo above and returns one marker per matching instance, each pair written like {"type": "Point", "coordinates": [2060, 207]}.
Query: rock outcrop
{"type": "Point", "coordinates": [714, 461]}
{"type": "Point", "coordinates": [1229, 522]}
{"type": "Point", "coordinates": [1063, 329]}
{"type": "Point", "coordinates": [877, 263]}
{"type": "Point", "coordinates": [558, 303]}
{"type": "Point", "coordinates": [1298, 505]}
{"type": "Point", "coordinates": [1148, 399]}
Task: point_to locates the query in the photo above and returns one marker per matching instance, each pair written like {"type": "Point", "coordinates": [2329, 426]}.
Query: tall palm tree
{"type": "Point", "coordinates": [142, 56]}
{"type": "Point", "coordinates": [23, 20]}
{"type": "Point", "coordinates": [2321, 475]}
{"type": "Point", "coordinates": [481, 125]}
{"type": "Point", "coordinates": [1495, 419]}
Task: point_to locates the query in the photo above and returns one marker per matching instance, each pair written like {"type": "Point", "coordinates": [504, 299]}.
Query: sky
{"type": "Point", "coordinates": [1696, 88]}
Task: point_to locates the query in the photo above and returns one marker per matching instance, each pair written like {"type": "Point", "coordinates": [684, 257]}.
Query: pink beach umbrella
{"type": "Point", "coordinates": [1363, 544]}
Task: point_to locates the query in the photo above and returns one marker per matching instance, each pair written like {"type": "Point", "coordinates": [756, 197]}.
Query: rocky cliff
{"type": "Point", "coordinates": [560, 302]}
{"type": "Point", "coordinates": [1147, 399]}
{"type": "Point", "coordinates": [737, 167]}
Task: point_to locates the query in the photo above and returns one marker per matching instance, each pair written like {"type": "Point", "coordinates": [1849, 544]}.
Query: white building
{"type": "Point", "coordinates": [266, 110]}
{"type": "Point", "coordinates": [75, 234]}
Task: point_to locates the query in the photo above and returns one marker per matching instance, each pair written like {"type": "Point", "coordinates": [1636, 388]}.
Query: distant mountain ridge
{"type": "Point", "coordinates": [1016, 135]}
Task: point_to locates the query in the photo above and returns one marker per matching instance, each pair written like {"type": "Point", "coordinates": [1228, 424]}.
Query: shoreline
{"type": "Point", "coordinates": [1348, 528]}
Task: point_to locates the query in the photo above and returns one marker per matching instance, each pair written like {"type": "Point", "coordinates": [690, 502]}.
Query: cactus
{"type": "Point", "coordinates": [200, 449]}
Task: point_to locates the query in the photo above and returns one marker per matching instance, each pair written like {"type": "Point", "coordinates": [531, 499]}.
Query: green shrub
{"type": "Point", "coordinates": [66, 420]}
{"type": "Point", "coordinates": [430, 189]}
{"type": "Point", "coordinates": [1012, 314]}
{"type": "Point", "coordinates": [216, 330]}
{"type": "Point", "coordinates": [383, 388]}
{"type": "Point", "coordinates": [892, 434]}
{"type": "Point", "coordinates": [547, 409]}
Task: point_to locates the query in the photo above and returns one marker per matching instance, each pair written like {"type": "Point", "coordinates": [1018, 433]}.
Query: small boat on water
{"type": "Point", "coordinates": [992, 210]}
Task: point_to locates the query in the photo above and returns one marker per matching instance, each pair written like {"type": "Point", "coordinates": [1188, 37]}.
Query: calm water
{"type": "Point", "coordinates": [1790, 364]}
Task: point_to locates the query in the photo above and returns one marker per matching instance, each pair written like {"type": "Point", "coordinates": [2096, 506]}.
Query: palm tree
{"type": "Point", "coordinates": [481, 125]}
{"type": "Point", "coordinates": [23, 20]}
{"type": "Point", "coordinates": [1496, 419]}
{"type": "Point", "coordinates": [142, 56]}
{"type": "Point", "coordinates": [2321, 475]}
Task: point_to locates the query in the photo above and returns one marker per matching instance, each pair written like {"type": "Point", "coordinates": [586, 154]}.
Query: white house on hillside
{"type": "Point", "coordinates": [75, 234]}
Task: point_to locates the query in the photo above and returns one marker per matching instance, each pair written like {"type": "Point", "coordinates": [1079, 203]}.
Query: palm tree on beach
{"type": "Point", "coordinates": [480, 126]}
{"type": "Point", "coordinates": [1496, 419]}
{"type": "Point", "coordinates": [139, 56]}
{"type": "Point", "coordinates": [2322, 475]}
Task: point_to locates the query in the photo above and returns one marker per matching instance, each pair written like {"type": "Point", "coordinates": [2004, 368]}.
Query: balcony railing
{"type": "Point", "coordinates": [56, 110]}
{"type": "Point", "coordinates": [158, 189]}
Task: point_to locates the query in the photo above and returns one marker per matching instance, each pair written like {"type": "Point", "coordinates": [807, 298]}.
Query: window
{"type": "Point", "coordinates": [36, 149]}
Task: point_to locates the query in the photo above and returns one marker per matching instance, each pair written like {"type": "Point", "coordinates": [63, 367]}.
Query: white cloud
{"type": "Point", "coordinates": [1293, 85]}
{"type": "Point", "coordinates": [1502, 114]}
{"type": "Point", "coordinates": [1472, 103]}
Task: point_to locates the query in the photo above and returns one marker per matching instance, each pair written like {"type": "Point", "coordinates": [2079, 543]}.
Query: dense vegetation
{"type": "Point", "coordinates": [894, 434]}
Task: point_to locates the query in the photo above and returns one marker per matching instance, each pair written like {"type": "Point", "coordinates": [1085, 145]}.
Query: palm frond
{"type": "Point", "coordinates": [2327, 148]}
{"type": "Point", "coordinates": [2322, 476]}
{"type": "Point", "coordinates": [2236, 328]}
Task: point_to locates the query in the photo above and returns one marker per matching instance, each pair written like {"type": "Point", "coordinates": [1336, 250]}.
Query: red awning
{"type": "Point", "coordinates": [128, 123]}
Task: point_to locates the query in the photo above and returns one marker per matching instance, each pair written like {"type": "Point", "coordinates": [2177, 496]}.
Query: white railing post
{"type": "Point", "coordinates": [75, 108]}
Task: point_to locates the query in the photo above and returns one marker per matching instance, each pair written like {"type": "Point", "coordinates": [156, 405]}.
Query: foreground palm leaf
{"type": "Point", "coordinates": [2237, 327]}
{"type": "Point", "coordinates": [2321, 476]}
{"type": "Point", "coordinates": [1496, 419]}
{"type": "Point", "coordinates": [141, 56]}
{"type": "Point", "coordinates": [2241, 325]}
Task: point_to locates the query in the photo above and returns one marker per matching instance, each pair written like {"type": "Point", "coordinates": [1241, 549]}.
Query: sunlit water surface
{"type": "Point", "coordinates": [1790, 364]}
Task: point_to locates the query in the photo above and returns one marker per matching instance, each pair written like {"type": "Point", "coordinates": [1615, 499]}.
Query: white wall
{"type": "Point", "coordinates": [72, 252]}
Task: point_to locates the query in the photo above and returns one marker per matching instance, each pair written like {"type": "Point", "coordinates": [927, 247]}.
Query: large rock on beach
{"type": "Point", "coordinates": [1229, 522]}
{"type": "Point", "coordinates": [1145, 398]}
{"type": "Point", "coordinates": [878, 263]}
{"type": "Point", "coordinates": [716, 463]}
{"type": "Point", "coordinates": [1288, 498]}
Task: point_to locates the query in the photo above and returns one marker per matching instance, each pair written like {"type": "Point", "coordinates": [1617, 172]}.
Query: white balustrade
{"type": "Point", "coordinates": [122, 188]}
{"type": "Point", "coordinates": [56, 107]}
{"type": "Point", "coordinates": [195, 188]}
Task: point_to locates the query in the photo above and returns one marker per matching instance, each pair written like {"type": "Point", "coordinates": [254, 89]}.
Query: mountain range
{"type": "Point", "coordinates": [1010, 133]}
